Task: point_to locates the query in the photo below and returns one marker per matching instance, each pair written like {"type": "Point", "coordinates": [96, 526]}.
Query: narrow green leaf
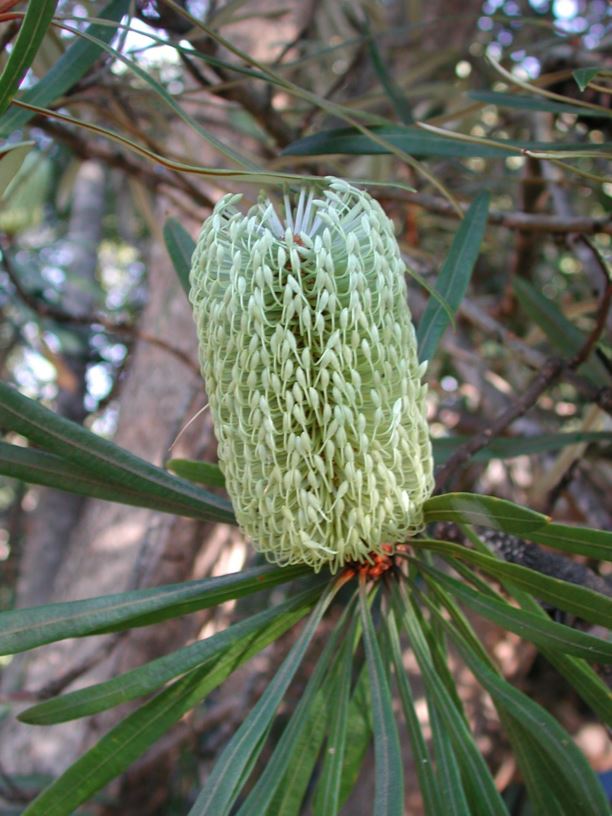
{"type": "Point", "coordinates": [544, 632]}
{"type": "Point", "coordinates": [148, 678]}
{"type": "Point", "coordinates": [394, 93]}
{"type": "Point", "coordinates": [486, 511]}
{"type": "Point", "coordinates": [536, 772]}
{"type": "Point", "coordinates": [448, 776]}
{"type": "Point", "coordinates": [180, 246]}
{"type": "Point", "coordinates": [539, 773]}
{"type": "Point", "coordinates": [559, 330]}
{"type": "Point", "coordinates": [121, 746]}
{"type": "Point", "coordinates": [509, 447]}
{"type": "Point", "coordinates": [454, 276]}
{"type": "Point", "coordinates": [584, 75]}
{"type": "Point", "coordinates": [534, 103]}
{"type": "Point", "coordinates": [420, 753]}
{"type": "Point", "coordinates": [159, 91]}
{"type": "Point", "coordinates": [22, 629]}
{"type": "Point", "coordinates": [577, 672]}
{"type": "Point", "coordinates": [205, 473]}
{"type": "Point", "coordinates": [326, 798]}
{"type": "Point", "coordinates": [579, 540]}
{"type": "Point", "coordinates": [417, 143]}
{"type": "Point", "coordinates": [294, 785]}
{"type": "Point", "coordinates": [578, 786]}
{"type": "Point", "coordinates": [225, 780]}
{"type": "Point", "coordinates": [132, 736]}
{"type": "Point", "coordinates": [587, 683]}
{"type": "Point", "coordinates": [68, 70]}
{"type": "Point", "coordinates": [359, 734]}
{"type": "Point", "coordinates": [578, 600]}
{"type": "Point", "coordinates": [389, 771]}
{"type": "Point", "coordinates": [31, 32]}
{"type": "Point", "coordinates": [38, 467]}
{"type": "Point", "coordinates": [483, 796]}
{"type": "Point", "coordinates": [449, 784]}
{"type": "Point", "coordinates": [311, 707]}
{"type": "Point", "coordinates": [103, 458]}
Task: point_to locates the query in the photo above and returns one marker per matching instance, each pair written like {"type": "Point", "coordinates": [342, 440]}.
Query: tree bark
{"type": "Point", "coordinates": [114, 548]}
{"type": "Point", "coordinates": [49, 526]}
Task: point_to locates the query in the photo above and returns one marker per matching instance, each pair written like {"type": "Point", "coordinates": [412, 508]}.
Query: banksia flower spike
{"type": "Point", "coordinates": [310, 361]}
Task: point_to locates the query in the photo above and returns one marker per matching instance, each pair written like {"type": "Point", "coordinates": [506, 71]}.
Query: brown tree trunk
{"type": "Point", "coordinates": [49, 526]}
{"type": "Point", "coordinates": [114, 548]}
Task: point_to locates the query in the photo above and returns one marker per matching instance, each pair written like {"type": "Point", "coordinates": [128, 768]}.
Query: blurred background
{"type": "Point", "coordinates": [95, 323]}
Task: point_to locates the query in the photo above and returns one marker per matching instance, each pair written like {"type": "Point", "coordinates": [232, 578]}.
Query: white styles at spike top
{"type": "Point", "coordinates": [310, 360]}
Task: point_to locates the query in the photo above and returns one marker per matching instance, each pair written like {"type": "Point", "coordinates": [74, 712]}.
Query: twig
{"type": "Point", "coordinates": [152, 177]}
{"type": "Point", "coordinates": [549, 372]}
{"type": "Point", "coordinates": [333, 88]}
{"type": "Point", "coordinates": [593, 338]}
{"type": "Point", "coordinates": [13, 792]}
{"type": "Point", "coordinates": [253, 99]}
{"type": "Point", "coordinates": [57, 684]}
{"type": "Point", "coordinates": [178, 353]}
{"type": "Point", "coordinates": [606, 291]}
{"type": "Point", "coordinates": [525, 222]}
{"type": "Point", "coordinates": [551, 369]}
{"type": "Point", "coordinates": [476, 315]}
{"type": "Point", "coordinates": [48, 310]}
{"type": "Point", "coordinates": [8, 35]}
{"type": "Point", "coordinates": [309, 10]}
{"type": "Point", "coordinates": [562, 485]}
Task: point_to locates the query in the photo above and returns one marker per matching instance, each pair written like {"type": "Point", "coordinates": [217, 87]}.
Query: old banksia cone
{"type": "Point", "coordinates": [310, 362]}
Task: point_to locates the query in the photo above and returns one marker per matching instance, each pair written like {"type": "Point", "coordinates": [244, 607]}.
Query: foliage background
{"type": "Point", "coordinates": [95, 322]}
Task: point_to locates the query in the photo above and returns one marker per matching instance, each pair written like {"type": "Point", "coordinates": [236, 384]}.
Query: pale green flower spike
{"type": "Point", "coordinates": [310, 361]}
